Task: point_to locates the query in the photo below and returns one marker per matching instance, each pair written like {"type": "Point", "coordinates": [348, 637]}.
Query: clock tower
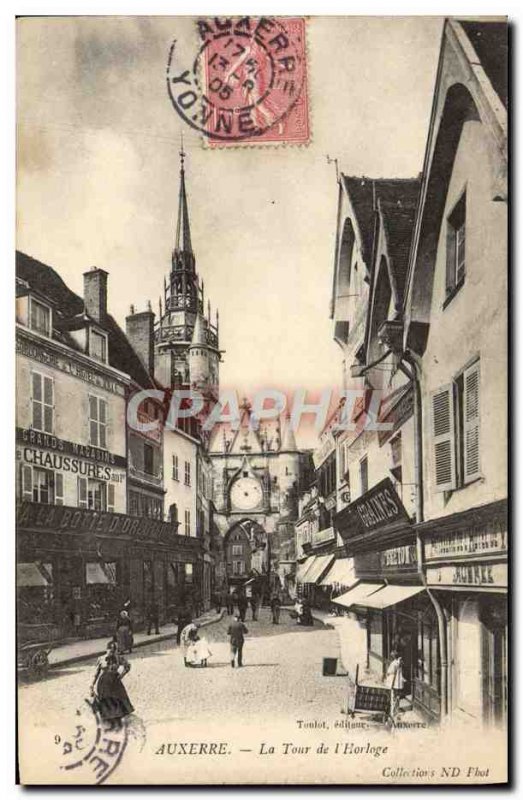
{"type": "Point", "coordinates": [187, 351]}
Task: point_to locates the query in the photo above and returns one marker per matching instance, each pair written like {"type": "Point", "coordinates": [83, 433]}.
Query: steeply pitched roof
{"type": "Point", "coordinates": [364, 193]}
{"type": "Point", "coordinates": [398, 219]}
{"type": "Point", "coordinates": [47, 282]}
{"type": "Point", "coordinates": [490, 41]}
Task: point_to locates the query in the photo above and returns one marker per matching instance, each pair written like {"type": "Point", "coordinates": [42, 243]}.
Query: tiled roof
{"type": "Point", "coordinates": [490, 41]}
{"type": "Point", "coordinates": [47, 282]}
{"type": "Point", "coordinates": [365, 192]}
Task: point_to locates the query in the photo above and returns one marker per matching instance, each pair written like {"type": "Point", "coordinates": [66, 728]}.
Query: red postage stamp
{"type": "Point", "coordinates": [248, 82]}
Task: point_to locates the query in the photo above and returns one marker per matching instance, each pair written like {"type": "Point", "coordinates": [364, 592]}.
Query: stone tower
{"type": "Point", "coordinates": [186, 340]}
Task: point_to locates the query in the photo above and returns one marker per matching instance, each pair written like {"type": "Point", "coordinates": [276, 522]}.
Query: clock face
{"type": "Point", "coordinates": [246, 494]}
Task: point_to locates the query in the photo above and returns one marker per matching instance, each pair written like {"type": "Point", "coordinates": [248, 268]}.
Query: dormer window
{"type": "Point", "coordinates": [40, 317]}
{"type": "Point", "coordinates": [98, 345]}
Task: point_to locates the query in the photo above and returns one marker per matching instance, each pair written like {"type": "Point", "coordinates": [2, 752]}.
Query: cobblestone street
{"type": "Point", "coordinates": [282, 673]}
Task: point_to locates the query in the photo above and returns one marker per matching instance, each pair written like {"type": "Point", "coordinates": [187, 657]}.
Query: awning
{"type": "Point", "coordinates": [33, 574]}
{"type": "Point", "coordinates": [391, 595]}
{"type": "Point", "coordinates": [321, 564]}
{"type": "Point", "coordinates": [341, 573]}
{"type": "Point", "coordinates": [95, 573]}
{"type": "Point", "coordinates": [358, 595]}
{"type": "Point", "coordinates": [304, 568]}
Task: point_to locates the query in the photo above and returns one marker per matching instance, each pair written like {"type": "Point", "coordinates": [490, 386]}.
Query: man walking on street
{"type": "Point", "coordinates": [236, 631]}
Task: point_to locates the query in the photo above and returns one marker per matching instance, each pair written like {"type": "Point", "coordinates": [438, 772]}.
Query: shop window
{"type": "Point", "coordinates": [428, 666]}
{"type": "Point", "coordinates": [375, 629]}
{"type": "Point", "coordinates": [97, 421]}
{"type": "Point", "coordinates": [40, 318]}
{"type": "Point", "coordinates": [456, 230]}
{"type": "Point", "coordinates": [42, 402]}
{"type": "Point", "coordinates": [455, 431]}
{"type": "Point", "coordinates": [98, 345]}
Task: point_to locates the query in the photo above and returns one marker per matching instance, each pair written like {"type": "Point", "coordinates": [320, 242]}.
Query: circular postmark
{"type": "Point", "coordinates": [94, 747]}
{"type": "Point", "coordinates": [245, 78]}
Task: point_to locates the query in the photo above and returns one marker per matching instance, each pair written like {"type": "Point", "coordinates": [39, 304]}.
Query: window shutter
{"type": "Point", "coordinates": [36, 401]}
{"type": "Point", "coordinates": [58, 489]}
{"type": "Point", "coordinates": [444, 439]}
{"type": "Point", "coordinates": [471, 380]}
{"type": "Point", "coordinates": [82, 492]}
{"type": "Point", "coordinates": [110, 497]}
{"type": "Point", "coordinates": [48, 404]}
{"type": "Point", "coordinates": [26, 474]}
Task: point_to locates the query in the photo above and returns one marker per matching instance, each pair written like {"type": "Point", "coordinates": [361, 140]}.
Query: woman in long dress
{"type": "Point", "coordinates": [124, 633]}
{"type": "Point", "coordinates": [111, 698]}
{"type": "Point", "coordinates": [188, 641]}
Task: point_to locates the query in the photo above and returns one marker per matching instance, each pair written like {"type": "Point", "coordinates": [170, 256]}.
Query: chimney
{"type": "Point", "coordinates": [95, 293]}
{"type": "Point", "coordinates": [139, 327]}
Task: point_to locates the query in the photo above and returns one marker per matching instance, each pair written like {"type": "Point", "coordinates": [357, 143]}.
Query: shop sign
{"type": "Point", "coordinates": [62, 463]}
{"type": "Point", "coordinates": [398, 557]}
{"type": "Point", "coordinates": [46, 441]}
{"type": "Point", "coordinates": [378, 508]}
{"type": "Point", "coordinates": [68, 519]}
{"type": "Point", "coordinates": [465, 543]}
{"type": "Point", "coordinates": [324, 535]}
{"type": "Point", "coordinates": [482, 575]}
{"type": "Point", "coordinates": [60, 362]}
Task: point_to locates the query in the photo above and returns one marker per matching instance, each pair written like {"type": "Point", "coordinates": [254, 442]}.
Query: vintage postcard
{"type": "Point", "coordinates": [261, 409]}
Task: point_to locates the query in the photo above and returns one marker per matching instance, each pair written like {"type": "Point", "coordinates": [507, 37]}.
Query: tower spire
{"type": "Point", "coordinates": [183, 230]}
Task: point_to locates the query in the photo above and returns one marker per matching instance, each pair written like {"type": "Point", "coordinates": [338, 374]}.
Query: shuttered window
{"type": "Point", "coordinates": [26, 480]}
{"type": "Point", "coordinates": [444, 444]}
{"type": "Point", "coordinates": [58, 489]}
{"type": "Point", "coordinates": [110, 497]}
{"type": "Point", "coordinates": [471, 452]}
{"type": "Point", "coordinates": [82, 492]}
{"type": "Point", "coordinates": [42, 401]}
{"type": "Point", "coordinates": [97, 421]}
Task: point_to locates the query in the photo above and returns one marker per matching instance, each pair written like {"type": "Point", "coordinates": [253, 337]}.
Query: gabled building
{"type": "Point", "coordinates": [456, 320]}
{"type": "Point", "coordinates": [426, 519]}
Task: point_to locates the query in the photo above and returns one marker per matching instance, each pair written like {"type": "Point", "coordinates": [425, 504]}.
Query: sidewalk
{"type": "Point", "coordinates": [91, 648]}
{"type": "Point", "coordinates": [353, 650]}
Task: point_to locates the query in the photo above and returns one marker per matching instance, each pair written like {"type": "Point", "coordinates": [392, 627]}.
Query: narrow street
{"type": "Point", "coordinates": [282, 671]}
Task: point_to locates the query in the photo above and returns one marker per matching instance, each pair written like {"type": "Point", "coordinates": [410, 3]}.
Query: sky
{"type": "Point", "coordinates": [98, 175]}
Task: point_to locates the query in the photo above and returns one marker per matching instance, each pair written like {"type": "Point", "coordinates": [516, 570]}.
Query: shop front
{"type": "Point", "coordinates": [388, 596]}
{"type": "Point", "coordinates": [76, 568]}
{"type": "Point", "coordinates": [465, 558]}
